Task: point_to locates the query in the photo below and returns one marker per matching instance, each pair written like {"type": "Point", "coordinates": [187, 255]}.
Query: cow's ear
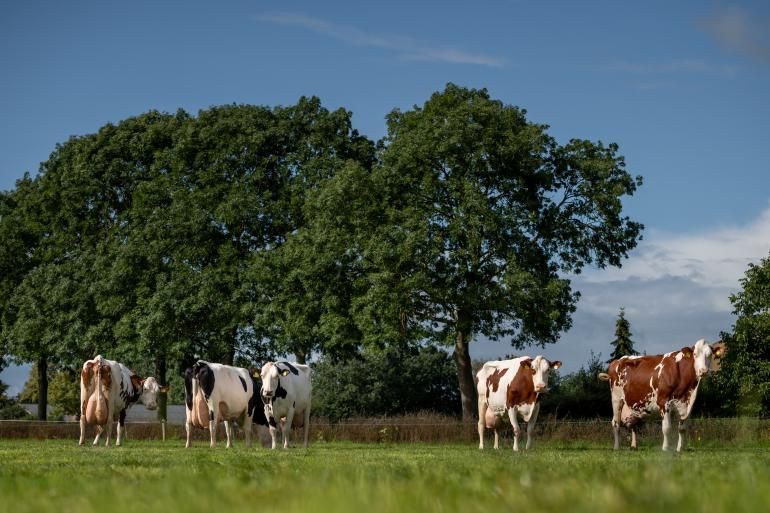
{"type": "Point", "coordinates": [137, 381]}
{"type": "Point", "coordinates": [164, 389]}
{"type": "Point", "coordinates": [255, 372]}
{"type": "Point", "coordinates": [526, 364]}
{"type": "Point", "coordinates": [686, 352]}
{"type": "Point", "coordinates": [718, 349]}
{"type": "Point", "coordinates": [556, 364]}
{"type": "Point", "coordinates": [285, 372]}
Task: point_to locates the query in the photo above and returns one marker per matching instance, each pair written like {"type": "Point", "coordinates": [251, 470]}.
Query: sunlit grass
{"type": "Point", "coordinates": [42, 476]}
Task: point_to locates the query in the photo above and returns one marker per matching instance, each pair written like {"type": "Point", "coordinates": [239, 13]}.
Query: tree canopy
{"type": "Point", "coordinates": [247, 231]}
{"type": "Point", "coordinates": [480, 213]}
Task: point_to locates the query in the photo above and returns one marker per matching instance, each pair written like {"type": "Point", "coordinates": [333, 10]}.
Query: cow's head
{"type": "Point", "coordinates": [539, 367]}
{"type": "Point", "coordinates": [149, 390]}
{"type": "Point", "coordinates": [702, 355]}
{"type": "Point", "coordinates": [270, 375]}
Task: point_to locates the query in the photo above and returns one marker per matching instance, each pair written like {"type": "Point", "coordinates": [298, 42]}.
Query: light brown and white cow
{"type": "Point", "coordinates": [664, 384]}
{"type": "Point", "coordinates": [107, 390]}
{"type": "Point", "coordinates": [508, 389]}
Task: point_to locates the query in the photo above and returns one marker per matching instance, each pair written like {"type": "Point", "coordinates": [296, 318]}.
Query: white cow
{"type": "Point", "coordinates": [286, 390]}
{"type": "Point", "coordinates": [107, 390]}
{"type": "Point", "coordinates": [508, 389]}
{"type": "Point", "coordinates": [230, 394]}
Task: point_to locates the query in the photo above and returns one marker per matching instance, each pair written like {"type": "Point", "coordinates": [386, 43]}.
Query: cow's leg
{"type": "Point", "coordinates": [188, 428]}
{"type": "Point", "coordinates": [287, 428]}
{"type": "Point", "coordinates": [531, 424]}
{"type": "Point", "coordinates": [213, 424]}
{"type": "Point", "coordinates": [99, 430]}
{"type": "Point", "coordinates": [271, 424]}
{"type": "Point", "coordinates": [633, 437]}
{"type": "Point", "coordinates": [668, 427]}
{"type": "Point", "coordinates": [617, 408]}
{"type": "Point", "coordinates": [82, 429]}
{"type": "Point", "coordinates": [307, 424]}
{"type": "Point", "coordinates": [228, 433]}
{"type": "Point", "coordinates": [497, 439]}
{"type": "Point", "coordinates": [682, 435]}
{"type": "Point", "coordinates": [121, 427]}
{"type": "Point", "coordinates": [512, 415]}
{"type": "Point", "coordinates": [482, 414]}
{"type": "Point", "coordinates": [247, 430]}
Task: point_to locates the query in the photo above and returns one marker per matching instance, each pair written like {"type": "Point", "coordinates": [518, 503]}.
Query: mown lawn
{"type": "Point", "coordinates": [57, 475]}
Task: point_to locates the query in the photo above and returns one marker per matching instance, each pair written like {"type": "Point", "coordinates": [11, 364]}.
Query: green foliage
{"type": "Point", "coordinates": [479, 212]}
{"type": "Point", "coordinates": [10, 409]}
{"type": "Point", "coordinates": [742, 385]}
{"type": "Point", "coordinates": [622, 345]}
{"type": "Point", "coordinates": [63, 391]}
{"type": "Point", "coordinates": [579, 395]}
{"type": "Point", "coordinates": [389, 382]}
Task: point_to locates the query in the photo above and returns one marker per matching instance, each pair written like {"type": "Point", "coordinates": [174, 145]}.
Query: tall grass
{"type": "Point", "coordinates": [434, 428]}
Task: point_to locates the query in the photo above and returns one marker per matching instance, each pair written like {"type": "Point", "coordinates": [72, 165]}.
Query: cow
{"type": "Point", "coordinates": [215, 392]}
{"type": "Point", "coordinates": [285, 392]}
{"type": "Point", "coordinates": [664, 384]}
{"type": "Point", "coordinates": [107, 390]}
{"type": "Point", "coordinates": [508, 389]}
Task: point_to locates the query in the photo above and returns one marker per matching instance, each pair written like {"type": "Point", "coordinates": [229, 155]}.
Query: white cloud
{"type": "Point", "coordinates": [675, 289]}
{"type": "Point", "coordinates": [715, 259]}
{"type": "Point", "coordinates": [406, 48]}
{"type": "Point", "coordinates": [739, 30]}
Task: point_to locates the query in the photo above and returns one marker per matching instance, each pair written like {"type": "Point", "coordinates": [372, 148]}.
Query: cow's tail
{"type": "Point", "coordinates": [604, 376]}
{"type": "Point", "coordinates": [101, 405]}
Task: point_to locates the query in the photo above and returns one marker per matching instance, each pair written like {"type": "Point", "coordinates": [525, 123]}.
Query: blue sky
{"type": "Point", "coordinates": [682, 87]}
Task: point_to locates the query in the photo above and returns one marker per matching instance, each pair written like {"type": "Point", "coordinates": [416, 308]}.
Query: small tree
{"type": "Point", "coordinates": [743, 382]}
{"type": "Point", "coordinates": [623, 345]}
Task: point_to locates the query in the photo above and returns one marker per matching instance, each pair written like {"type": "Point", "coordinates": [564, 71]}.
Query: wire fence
{"type": "Point", "coordinates": [423, 428]}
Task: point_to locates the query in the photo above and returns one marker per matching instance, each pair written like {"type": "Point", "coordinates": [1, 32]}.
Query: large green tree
{"type": "Point", "coordinates": [622, 345]}
{"type": "Point", "coordinates": [298, 287]}
{"type": "Point", "coordinates": [483, 214]}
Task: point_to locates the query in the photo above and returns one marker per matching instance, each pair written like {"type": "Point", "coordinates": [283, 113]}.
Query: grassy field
{"type": "Point", "coordinates": [57, 475]}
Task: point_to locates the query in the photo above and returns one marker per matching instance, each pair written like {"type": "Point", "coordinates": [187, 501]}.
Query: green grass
{"type": "Point", "coordinates": [57, 475]}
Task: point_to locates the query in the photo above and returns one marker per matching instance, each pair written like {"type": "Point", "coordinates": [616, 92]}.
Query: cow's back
{"type": "Point", "coordinates": [231, 388]}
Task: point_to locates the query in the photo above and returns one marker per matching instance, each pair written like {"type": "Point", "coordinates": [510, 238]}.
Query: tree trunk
{"type": "Point", "coordinates": [42, 388]}
{"type": "Point", "coordinates": [462, 359]}
{"type": "Point", "coordinates": [160, 371]}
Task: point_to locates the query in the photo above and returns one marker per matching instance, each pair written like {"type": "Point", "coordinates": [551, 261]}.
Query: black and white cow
{"type": "Point", "coordinates": [285, 394]}
{"type": "Point", "coordinates": [229, 394]}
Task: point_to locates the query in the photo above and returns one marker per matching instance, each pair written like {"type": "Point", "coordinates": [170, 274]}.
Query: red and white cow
{"type": "Point", "coordinates": [107, 390]}
{"type": "Point", "coordinates": [664, 384]}
{"type": "Point", "coordinates": [221, 393]}
{"type": "Point", "coordinates": [286, 391]}
{"type": "Point", "coordinates": [508, 389]}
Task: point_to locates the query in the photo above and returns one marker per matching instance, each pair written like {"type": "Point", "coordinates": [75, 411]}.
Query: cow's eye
{"type": "Point", "coordinates": [534, 372]}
